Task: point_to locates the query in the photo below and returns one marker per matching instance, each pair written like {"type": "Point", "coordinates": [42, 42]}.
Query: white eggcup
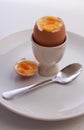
{"type": "Point", "coordinates": [48, 57]}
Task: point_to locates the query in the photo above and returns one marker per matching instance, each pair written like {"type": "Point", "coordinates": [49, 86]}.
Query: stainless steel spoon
{"type": "Point", "coordinates": [64, 76]}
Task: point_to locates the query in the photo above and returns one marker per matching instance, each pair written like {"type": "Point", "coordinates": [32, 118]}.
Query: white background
{"type": "Point", "coordinates": [18, 15]}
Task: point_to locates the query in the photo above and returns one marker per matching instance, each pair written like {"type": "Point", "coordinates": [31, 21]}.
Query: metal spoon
{"type": "Point", "coordinates": [64, 76]}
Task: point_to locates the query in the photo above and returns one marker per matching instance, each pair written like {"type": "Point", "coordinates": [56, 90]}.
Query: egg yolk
{"type": "Point", "coordinates": [26, 67]}
{"type": "Point", "coordinates": [50, 23]}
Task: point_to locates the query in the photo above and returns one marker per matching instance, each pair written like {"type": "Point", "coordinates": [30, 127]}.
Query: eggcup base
{"type": "Point", "coordinates": [45, 70]}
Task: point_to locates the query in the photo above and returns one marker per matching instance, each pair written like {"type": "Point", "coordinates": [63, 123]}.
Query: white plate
{"type": "Point", "coordinates": [52, 102]}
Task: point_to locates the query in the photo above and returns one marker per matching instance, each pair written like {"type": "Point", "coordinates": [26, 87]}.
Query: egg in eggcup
{"type": "Point", "coordinates": [49, 40]}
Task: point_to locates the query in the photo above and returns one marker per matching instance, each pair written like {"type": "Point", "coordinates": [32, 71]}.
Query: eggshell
{"type": "Point", "coordinates": [26, 68]}
{"type": "Point", "coordinates": [47, 38]}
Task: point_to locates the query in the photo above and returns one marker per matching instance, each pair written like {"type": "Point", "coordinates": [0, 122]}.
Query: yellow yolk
{"type": "Point", "coordinates": [26, 67]}
{"type": "Point", "coordinates": [50, 23]}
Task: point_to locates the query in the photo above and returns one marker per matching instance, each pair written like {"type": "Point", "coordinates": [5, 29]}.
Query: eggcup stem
{"type": "Point", "coordinates": [48, 70]}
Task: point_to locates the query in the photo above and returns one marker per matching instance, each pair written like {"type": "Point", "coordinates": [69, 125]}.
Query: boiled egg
{"type": "Point", "coordinates": [49, 31]}
{"type": "Point", "coordinates": [26, 67]}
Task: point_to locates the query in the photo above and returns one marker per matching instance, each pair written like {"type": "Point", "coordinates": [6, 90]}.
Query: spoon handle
{"type": "Point", "coordinates": [13, 93]}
